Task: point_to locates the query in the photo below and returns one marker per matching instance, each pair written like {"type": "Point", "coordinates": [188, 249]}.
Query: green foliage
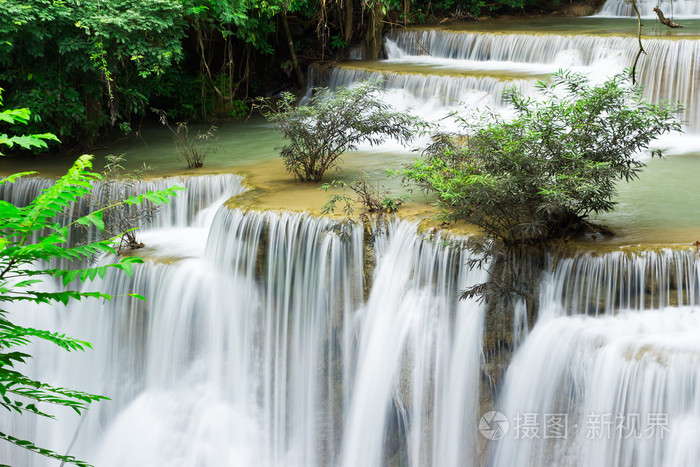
{"type": "Point", "coordinates": [337, 42]}
{"type": "Point", "coordinates": [239, 109]}
{"type": "Point", "coordinates": [123, 221]}
{"type": "Point", "coordinates": [419, 10]}
{"type": "Point", "coordinates": [44, 452]}
{"type": "Point", "coordinates": [332, 123]}
{"type": "Point", "coordinates": [540, 175]}
{"type": "Point", "coordinates": [374, 199]}
{"type": "Point", "coordinates": [192, 149]}
{"type": "Point", "coordinates": [248, 20]}
{"type": "Point", "coordinates": [21, 116]}
{"type": "Point", "coordinates": [31, 237]}
{"type": "Point", "coordinates": [83, 65]}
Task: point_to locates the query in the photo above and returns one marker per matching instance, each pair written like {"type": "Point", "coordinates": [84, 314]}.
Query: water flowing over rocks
{"type": "Point", "coordinates": [276, 338]}
{"type": "Point", "coordinates": [262, 348]}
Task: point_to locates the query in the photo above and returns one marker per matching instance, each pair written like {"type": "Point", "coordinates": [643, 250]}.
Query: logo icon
{"type": "Point", "coordinates": [494, 425]}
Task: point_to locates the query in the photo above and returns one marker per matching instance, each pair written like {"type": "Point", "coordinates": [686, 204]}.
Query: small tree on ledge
{"type": "Point", "coordinates": [540, 175]}
{"type": "Point", "coordinates": [332, 123]}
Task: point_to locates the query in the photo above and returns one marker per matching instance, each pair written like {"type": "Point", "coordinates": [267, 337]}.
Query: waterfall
{"type": "Point", "coordinates": [597, 284]}
{"type": "Point", "coordinates": [430, 95]}
{"type": "Point", "coordinates": [618, 390]}
{"type": "Point", "coordinates": [609, 374]}
{"type": "Point", "coordinates": [234, 357]}
{"type": "Point", "coordinates": [418, 358]}
{"type": "Point", "coordinates": [257, 349]}
{"type": "Point", "coordinates": [175, 224]}
{"type": "Point", "coordinates": [200, 192]}
{"type": "Point", "coordinates": [671, 8]}
{"type": "Point", "coordinates": [243, 349]}
{"type": "Point", "coordinates": [669, 71]}
{"type": "Point", "coordinates": [273, 339]}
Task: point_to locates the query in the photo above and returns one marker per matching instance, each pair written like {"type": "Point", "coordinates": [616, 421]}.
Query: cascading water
{"type": "Point", "coordinates": [242, 349]}
{"type": "Point", "coordinates": [617, 389]}
{"type": "Point", "coordinates": [200, 192]}
{"type": "Point", "coordinates": [256, 350]}
{"type": "Point", "coordinates": [256, 346]}
{"type": "Point", "coordinates": [418, 359]}
{"type": "Point", "coordinates": [677, 8]}
{"type": "Point", "coordinates": [431, 72]}
{"type": "Point", "coordinates": [599, 284]}
{"type": "Point", "coordinates": [668, 72]}
{"type": "Point", "coordinates": [432, 96]}
{"type": "Point", "coordinates": [116, 324]}
{"type": "Point", "coordinates": [236, 344]}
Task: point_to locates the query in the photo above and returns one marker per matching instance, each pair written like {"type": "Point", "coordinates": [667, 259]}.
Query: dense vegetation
{"type": "Point", "coordinates": [539, 176]}
{"type": "Point", "coordinates": [97, 65]}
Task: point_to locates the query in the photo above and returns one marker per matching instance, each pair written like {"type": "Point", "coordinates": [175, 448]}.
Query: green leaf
{"type": "Point", "coordinates": [32, 237]}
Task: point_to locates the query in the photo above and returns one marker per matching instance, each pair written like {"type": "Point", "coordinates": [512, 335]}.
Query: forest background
{"type": "Point", "coordinates": [95, 69]}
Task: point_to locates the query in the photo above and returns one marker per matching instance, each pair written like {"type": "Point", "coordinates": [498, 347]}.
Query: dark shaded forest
{"type": "Point", "coordinates": [93, 69]}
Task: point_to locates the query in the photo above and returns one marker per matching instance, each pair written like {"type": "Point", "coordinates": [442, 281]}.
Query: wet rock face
{"type": "Point", "coordinates": [584, 8]}
{"type": "Point", "coordinates": [498, 328]}
{"type": "Point", "coordinates": [319, 74]}
{"type": "Point", "coordinates": [369, 259]}
{"type": "Point", "coordinates": [572, 282]}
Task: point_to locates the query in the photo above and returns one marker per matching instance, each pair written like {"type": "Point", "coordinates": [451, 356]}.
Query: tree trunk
{"type": "Point", "coordinates": [375, 27]}
{"type": "Point", "coordinates": [230, 67]}
{"type": "Point", "coordinates": [288, 35]}
{"type": "Point", "coordinates": [348, 22]}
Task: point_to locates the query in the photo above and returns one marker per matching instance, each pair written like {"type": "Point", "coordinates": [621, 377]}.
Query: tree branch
{"type": "Point", "coordinates": [665, 20]}
{"type": "Point", "coordinates": [639, 38]}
